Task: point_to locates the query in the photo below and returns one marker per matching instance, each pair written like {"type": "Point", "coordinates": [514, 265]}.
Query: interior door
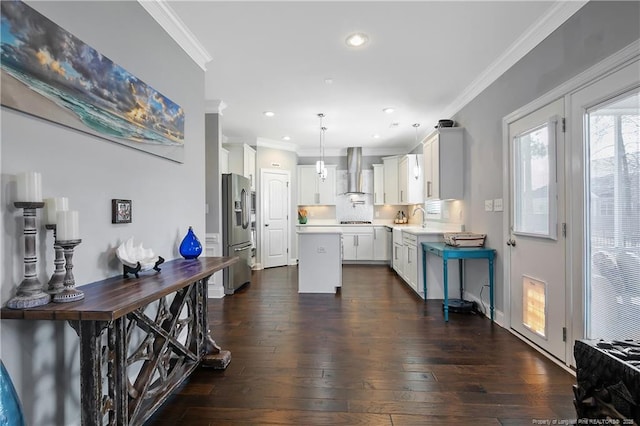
{"type": "Point", "coordinates": [536, 241]}
{"type": "Point", "coordinates": [275, 223]}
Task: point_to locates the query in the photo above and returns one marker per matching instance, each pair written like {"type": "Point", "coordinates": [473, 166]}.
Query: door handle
{"type": "Point", "coordinates": [511, 242]}
{"type": "Point", "coordinates": [266, 224]}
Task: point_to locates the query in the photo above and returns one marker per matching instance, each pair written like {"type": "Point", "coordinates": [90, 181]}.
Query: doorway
{"type": "Point", "coordinates": [275, 207]}
{"type": "Point", "coordinates": [536, 223]}
{"type": "Point", "coordinates": [605, 116]}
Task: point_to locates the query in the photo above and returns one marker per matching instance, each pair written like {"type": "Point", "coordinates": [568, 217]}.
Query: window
{"type": "Point", "coordinates": [535, 182]}
{"type": "Point", "coordinates": [613, 224]}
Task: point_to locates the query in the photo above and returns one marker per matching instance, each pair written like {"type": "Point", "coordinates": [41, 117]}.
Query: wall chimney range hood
{"type": "Point", "coordinates": [354, 170]}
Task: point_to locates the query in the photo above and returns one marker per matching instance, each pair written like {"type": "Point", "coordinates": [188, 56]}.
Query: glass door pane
{"type": "Point", "coordinates": [613, 222]}
{"type": "Point", "coordinates": [535, 182]}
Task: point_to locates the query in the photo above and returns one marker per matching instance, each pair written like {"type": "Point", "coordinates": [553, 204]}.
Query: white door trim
{"type": "Point", "coordinates": [260, 217]}
{"type": "Point", "coordinates": [601, 69]}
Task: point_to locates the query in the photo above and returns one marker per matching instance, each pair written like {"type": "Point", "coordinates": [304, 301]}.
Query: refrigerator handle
{"type": "Point", "coordinates": [244, 197]}
{"type": "Point", "coordinates": [242, 249]}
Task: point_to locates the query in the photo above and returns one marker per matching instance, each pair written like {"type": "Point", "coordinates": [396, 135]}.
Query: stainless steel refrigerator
{"type": "Point", "coordinates": [236, 230]}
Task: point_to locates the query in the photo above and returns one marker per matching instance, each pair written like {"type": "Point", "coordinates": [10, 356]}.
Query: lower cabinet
{"type": "Point", "coordinates": [398, 258]}
{"type": "Point", "coordinates": [410, 259]}
{"type": "Point", "coordinates": [381, 243]}
{"type": "Point", "coordinates": [357, 243]}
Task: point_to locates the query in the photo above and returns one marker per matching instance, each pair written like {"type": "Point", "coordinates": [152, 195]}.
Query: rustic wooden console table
{"type": "Point", "coordinates": [140, 338]}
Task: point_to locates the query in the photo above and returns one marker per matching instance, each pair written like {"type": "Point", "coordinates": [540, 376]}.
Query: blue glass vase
{"type": "Point", "coordinates": [190, 247]}
{"type": "Point", "coordinates": [10, 409]}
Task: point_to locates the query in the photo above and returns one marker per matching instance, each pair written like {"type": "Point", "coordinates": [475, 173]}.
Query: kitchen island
{"type": "Point", "coordinates": [319, 259]}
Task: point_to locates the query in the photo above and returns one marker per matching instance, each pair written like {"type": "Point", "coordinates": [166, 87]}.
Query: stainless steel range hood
{"type": "Point", "coordinates": [354, 170]}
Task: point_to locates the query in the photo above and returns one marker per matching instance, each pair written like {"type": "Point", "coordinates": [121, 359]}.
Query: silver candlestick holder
{"type": "Point", "coordinates": [30, 292]}
{"type": "Point", "coordinates": [56, 283]}
{"type": "Point", "coordinates": [70, 293]}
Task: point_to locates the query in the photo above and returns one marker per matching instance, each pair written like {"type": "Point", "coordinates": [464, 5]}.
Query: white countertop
{"type": "Point", "coordinates": [307, 229]}
{"type": "Point", "coordinates": [433, 228]}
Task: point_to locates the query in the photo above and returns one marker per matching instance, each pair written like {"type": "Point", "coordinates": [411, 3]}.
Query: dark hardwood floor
{"type": "Point", "coordinates": [373, 355]}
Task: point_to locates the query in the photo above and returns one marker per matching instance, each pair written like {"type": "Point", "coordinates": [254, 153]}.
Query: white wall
{"type": "Point", "coordinates": [168, 197]}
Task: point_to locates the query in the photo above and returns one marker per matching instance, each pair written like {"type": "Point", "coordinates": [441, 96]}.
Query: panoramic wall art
{"type": "Point", "coordinates": [49, 73]}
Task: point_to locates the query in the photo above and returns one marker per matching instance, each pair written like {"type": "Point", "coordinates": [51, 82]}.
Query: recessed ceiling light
{"type": "Point", "coordinates": [286, 138]}
{"type": "Point", "coordinates": [328, 81]}
{"type": "Point", "coordinates": [269, 113]}
{"type": "Point", "coordinates": [357, 39]}
{"type": "Point", "coordinates": [388, 110]}
{"type": "Point", "coordinates": [375, 136]}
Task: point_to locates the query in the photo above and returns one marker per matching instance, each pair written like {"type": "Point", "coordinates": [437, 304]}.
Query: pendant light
{"type": "Point", "coordinates": [416, 167]}
{"type": "Point", "coordinates": [321, 169]}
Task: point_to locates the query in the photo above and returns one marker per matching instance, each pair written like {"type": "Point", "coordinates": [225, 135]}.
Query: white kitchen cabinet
{"type": "Point", "coordinates": [312, 190]}
{"type": "Point", "coordinates": [357, 243]}
{"type": "Point", "coordinates": [443, 164]}
{"type": "Point", "coordinates": [378, 184]}
{"type": "Point", "coordinates": [391, 180]}
{"type": "Point", "coordinates": [410, 260]}
{"type": "Point", "coordinates": [396, 255]}
{"type": "Point", "coordinates": [242, 161]}
{"type": "Point", "coordinates": [410, 179]}
{"type": "Point", "coordinates": [381, 243]}
{"type": "Point", "coordinates": [398, 258]}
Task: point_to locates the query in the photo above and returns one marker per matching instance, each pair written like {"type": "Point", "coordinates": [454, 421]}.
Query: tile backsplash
{"type": "Point", "coordinates": [354, 207]}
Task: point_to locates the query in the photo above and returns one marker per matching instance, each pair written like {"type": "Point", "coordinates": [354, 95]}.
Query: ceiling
{"type": "Point", "coordinates": [425, 59]}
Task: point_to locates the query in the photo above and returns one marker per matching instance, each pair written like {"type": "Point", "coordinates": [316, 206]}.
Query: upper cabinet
{"type": "Point", "coordinates": [391, 194]}
{"type": "Point", "coordinates": [378, 184]}
{"type": "Point", "coordinates": [242, 161]}
{"type": "Point", "coordinates": [312, 190]}
{"type": "Point", "coordinates": [443, 164]}
{"type": "Point", "coordinates": [410, 178]}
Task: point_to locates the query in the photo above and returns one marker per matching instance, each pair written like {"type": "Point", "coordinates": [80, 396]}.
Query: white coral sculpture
{"type": "Point", "coordinates": [130, 255]}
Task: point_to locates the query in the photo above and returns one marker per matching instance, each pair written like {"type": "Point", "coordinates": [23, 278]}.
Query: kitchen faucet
{"type": "Point", "coordinates": [424, 219]}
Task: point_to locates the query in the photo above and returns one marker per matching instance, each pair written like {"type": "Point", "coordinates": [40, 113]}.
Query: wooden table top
{"type": "Point", "coordinates": [115, 297]}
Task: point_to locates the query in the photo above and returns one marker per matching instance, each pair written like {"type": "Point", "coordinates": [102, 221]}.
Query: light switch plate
{"type": "Point", "coordinates": [497, 205]}
{"type": "Point", "coordinates": [488, 205]}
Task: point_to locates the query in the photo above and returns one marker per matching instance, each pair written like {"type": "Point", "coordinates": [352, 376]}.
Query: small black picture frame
{"type": "Point", "coordinates": [121, 211]}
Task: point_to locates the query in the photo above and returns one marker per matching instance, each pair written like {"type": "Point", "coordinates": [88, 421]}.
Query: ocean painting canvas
{"type": "Point", "coordinates": [49, 73]}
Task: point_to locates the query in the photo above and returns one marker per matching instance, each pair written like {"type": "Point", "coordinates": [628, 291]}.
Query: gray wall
{"type": "Point", "coordinates": [168, 197]}
{"type": "Point", "coordinates": [596, 31]}
{"type": "Point", "coordinates": [213, 136]}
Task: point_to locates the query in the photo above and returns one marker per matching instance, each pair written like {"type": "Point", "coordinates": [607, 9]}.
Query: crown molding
{"type": "Point", "coordinates": [548, 23]}
{"type": "Point", "coordinates": [270, 143]}
{"type": "Point", "coordinates": [214, 106]}
{"type": "Point", "coordinates": [167, 18]}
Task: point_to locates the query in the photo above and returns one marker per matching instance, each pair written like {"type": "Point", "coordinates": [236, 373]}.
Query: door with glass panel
{"type": "Point", "coordinates": [606, 118]}
{"type": "Point", "coordinates": [536, 240]}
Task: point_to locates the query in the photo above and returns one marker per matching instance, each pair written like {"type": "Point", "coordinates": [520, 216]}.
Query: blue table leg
{"type": "Point", "coordinates": [445, 278]}
{"type": "Point", "coordinates": [491, 285]}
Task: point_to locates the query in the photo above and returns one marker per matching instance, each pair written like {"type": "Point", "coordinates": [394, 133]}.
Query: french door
{"type": "Point", "coordinates": [536, 228]}
{"type": "Point", "coordinates": [605, 118]}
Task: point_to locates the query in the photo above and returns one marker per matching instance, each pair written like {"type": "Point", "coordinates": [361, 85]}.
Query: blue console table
{"type": "Point", "coordinates": [447, 252]}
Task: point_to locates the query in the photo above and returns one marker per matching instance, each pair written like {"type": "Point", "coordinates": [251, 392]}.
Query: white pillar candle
{"type": "Point", "coordinates": [51, 208]}
{"type": "Point", "coordinates": [29, 187]}
{"type": "Point", "coordinates": [67, 225]}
